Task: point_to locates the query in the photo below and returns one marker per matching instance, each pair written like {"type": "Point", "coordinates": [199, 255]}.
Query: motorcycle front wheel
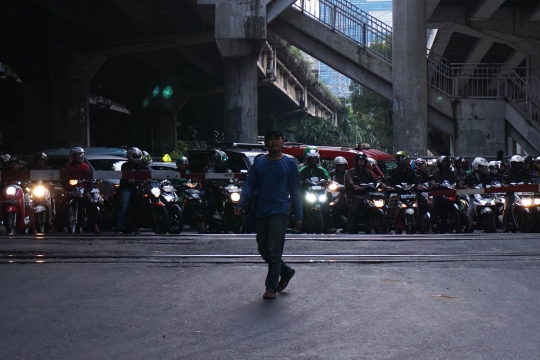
{"type": "Point", "coordinates": [317, 221]}
{"type": "Point", "coordinates": [237, 223]}
{"type": "Point", "coordinates": [72, 215]}
{"type": "Point", "coordinates": [162, 222]}
{"type": "Point", "coordinates": [176, 220]}
{"type": "Point", "coordinates": [9, 223]}
{"type": "Point", "coordinates": [41, 221]}
{"type": "Point", "coordinates": [379, 223]}
{"type": "Point", "coordinates": [194, 212]}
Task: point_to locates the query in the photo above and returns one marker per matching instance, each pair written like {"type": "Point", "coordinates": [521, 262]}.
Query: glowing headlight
{"type": "Point", "coordinates": [191, 185]}
{"type": "Point", "coordinates": [235, 197]}
{"type": "Point", "coordinates": [378, 203]}
{"type": "Point", "coordinates": [332, 187]}
{"type": "Point", "coordinates": [155, 191]}
{"type": "Point", "coordinates": [73, 182]}
{"type": "Point", "coordinates": [503, 200]}
{"type": "Point", "coordinates": [536, 201]}
{"type": "Point", "coordinates": [38, 191]}
{"type": "Point", "coordinates": [526, 202]}
{"type": "Point", "coordinates": [11, 190]}
{"type": "Point", "coordinates": [311, 197]}
{"type": "Point", "coordinates": [322, 198]}
{"type": "Point", "coordinates": [403, 205]}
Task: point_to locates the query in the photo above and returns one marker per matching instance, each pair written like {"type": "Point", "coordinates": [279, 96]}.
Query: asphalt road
{"type": "Point", "coordinates": [200, 297]}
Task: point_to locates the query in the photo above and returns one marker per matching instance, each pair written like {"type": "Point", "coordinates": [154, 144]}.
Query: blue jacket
{"type": "Point", "coordinates": [275, 181]}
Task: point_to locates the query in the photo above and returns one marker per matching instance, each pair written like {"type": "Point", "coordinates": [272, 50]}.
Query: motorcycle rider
{"type": "Point", "coordinates": [14, 165]}
{"type": "Point", "coordinates": [460, 170]}
{"type": "Point", "coordinates": [313, 169]}
{"type": "Point", "coordinates": [516, 174]}
{"type": "Point", "coordinates": [77, 162]}
{"type": "Point", "coordinates": [401, 174]}
{"type": "Point", "coordinates": [339, 173]}
{"type": "Point", "coordinates": [478, 176]}
{"type": "Point", "coordinates": [421, 170]}
{"type": "Point", "coordinates": [443, 172]}
{"type": "Point", "coordinates": [528, 164]}
{"type": "Point", "coordinates": [182, 165]}
{"type": "Point", "coordinates": [494, 173]}
{"type": "Point", "coordinates": [359, 174]}
{"type": "Point", "coordinates": [128, 186]}
{"type": "Point", "coordinates": [536, 172]}
{"type": "Point", "coordinates": [4, 161]}
{"type": "Point", "coordinates": [39, 162]}
{"type": "Point", "coordinates": [306, 150]}
{"type": "Point", "coordinates": [218, 162]}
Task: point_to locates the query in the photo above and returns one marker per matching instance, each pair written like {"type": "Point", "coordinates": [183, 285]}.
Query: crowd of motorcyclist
{"type": "Point", "coordinates": [479, 173]}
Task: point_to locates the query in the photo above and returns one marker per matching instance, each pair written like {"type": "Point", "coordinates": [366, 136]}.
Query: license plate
{"type": "Point", "coordinates": [408, 196]}
{"type": "Point", "coordinates": [375, 194]}
{"type": "Point", "coordinates": [317, 187]}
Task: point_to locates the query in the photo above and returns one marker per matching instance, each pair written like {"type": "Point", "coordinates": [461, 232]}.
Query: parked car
{"type": "Point", "coordinates": [114, 151]}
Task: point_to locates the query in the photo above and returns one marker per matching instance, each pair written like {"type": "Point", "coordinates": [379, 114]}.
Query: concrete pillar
{"type": "Point", "coordinates": [533, 63]}
{"type": "Point", "coordinates": [240, 101]}
{"type": "Point", "coordinates": [240, 37]}
{"type": "Point", "coordinates": [77, 112]}
{"type": "Point", "coordinates": [480, 128]}
{"type": "Point", "coordinates": [409, 76]}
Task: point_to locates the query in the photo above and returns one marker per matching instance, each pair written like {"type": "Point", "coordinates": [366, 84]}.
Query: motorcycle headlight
{"type": "Point", "coordinates": [38, 191]}
{"type": "Point", "coordinates": [322, 198]}
{"type": "Point", "coordinates": [311, 197]}
{"type": "Point", "coordinates": [403, 205]}
{"type": "Point", "coordinates": [155, 191]}
{"type": "Point", "coordinates": [378, 203]}
{"type": "Point", "coordinates": [332, 187]}
{"type": "Point", "coordinates": [10, 190]}
{"type": "Point", "coordinates": [526, 202]}
{"type": "Point", "coordinates": [73, 182]}
{"type": "Point", "coordinates": [503, 200]}
{"type": "Point", "coordinates": [536, 201]}
{"type": "Point", "coordinates": [235, 197]}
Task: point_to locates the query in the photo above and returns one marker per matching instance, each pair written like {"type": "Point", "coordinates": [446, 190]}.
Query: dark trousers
{"type": "Point", "coordinates": [270, 241]}
{"type": "Point", "coordinates": [351, 219]}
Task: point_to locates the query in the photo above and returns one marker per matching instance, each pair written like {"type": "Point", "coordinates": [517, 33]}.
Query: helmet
{"type": "Point", "coordinates": [4, 158]}
{"type": "Point", "coordinates": [443, 160]}
{"type": "Point", "coordinates": [537, 159]}
{"type": "Point", "coordinates": [516, 162]}
{"type": "Point", "coordinates": [479, 161]}
{"type": "Point", "coordinates": [340, 160]}
{"type": "Point", "coordinates": [402, 155]}
{"type": "Point", "coordinates": [220, 158]}
{"type": "Point", "coordinates": [146, 158]}
{"type": "Point", "coordinates": [308, 149]}
{"type": "Point", "coordinates": [40, 155]}
{"type": "Point", "coordinates": [458, 158]}
{"type": "Point", "coordinates": [529, 158]}
{"type": "Point", "coordinates": [419, 162]}
{"type": "Point", "coordinates": [494, 167]}
{"type": "Point", "coordinates": [76, 151]}
{"type": "Point", "coordinates": [360, 155]}
{"type": "Point", "coordinates": [134, 154]}
{"type": "Point", "coordinates": [182, 160]}
{"type": "Point", "coordinates": [313, 153]}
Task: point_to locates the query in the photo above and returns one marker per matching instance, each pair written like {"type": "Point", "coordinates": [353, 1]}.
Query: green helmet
{"type": "Point", "coordinates": [182, 160]}
{"type": "Point", "coordinates": [402, 155]}
{"type": "Point", "coordinates": [308, 149]}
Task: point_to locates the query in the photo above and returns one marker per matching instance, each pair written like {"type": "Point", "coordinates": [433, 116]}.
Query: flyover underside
{"type": "Point", "coordinates": [521, 129]}
{"type": "Point", "coordinates": [353, 61]}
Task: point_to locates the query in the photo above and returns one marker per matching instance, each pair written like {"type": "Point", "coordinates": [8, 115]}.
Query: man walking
{"type": "Point", "coordinates": [274, 177]}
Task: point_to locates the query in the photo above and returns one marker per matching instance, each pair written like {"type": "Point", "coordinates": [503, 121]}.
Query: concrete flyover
{"type": "Point", "coordinates": [75, 64]}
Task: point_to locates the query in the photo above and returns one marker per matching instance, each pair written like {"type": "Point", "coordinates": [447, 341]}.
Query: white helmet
{"type": "Point", "coordinates": [517, 158]}
{"type": "Point", "coordinates": [76, 154]}
{"type": "Point", "coordinates": [494, 167]}
{"type": "Point", "coordinates": [340, 160]}
{"type": "Point", "coordinates": [479, 161]}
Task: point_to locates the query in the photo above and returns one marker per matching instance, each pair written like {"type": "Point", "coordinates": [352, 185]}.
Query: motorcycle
{"type": "Point", "coordinates": [78, 195]}
{"type": "Point", "coordinates": [522, 218]}
{"type": "Point", "coordinates": [407, 215]}
{"type": "Point", "coordinates": [452, 215]}
{"type": "Point", "coordinates": [484, 211]}
{"type": "Point", "coordinates": [223, 218]}
{"type": "Point", "coordinates": [172, 203]}
{"type": "Point", "coordinates": [315, 200]}
{"type": "Point", "coordinates": [13, 211]}
{"type": "Point", "coordinates": [147, 207]}
{"type": "Point", "coordinates": [372, 211]}
{"type": "Point", "coordinates": [191, 204]}
{"type": "Point", "coordinates": [337, 214]}
{"type": "Point", "coordinates": [424, 208]}
{"type": "Point", "coordinates": [44, 205]}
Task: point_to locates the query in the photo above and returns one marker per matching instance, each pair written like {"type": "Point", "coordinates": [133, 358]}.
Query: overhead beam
{"type": "Point", "coordinates": [276, 7]}
{"type": "Point", "coordinates": [431, 5]}
{"type": "Point", "coordinates": [535, 14]}
{"type": "Point", "coordinates": [128, 47]}
{"type": "Point", "coordinates": [485, 9]}
{"type": "Point", "coordinates": [138, 12]}
{"type": "Point", "coordinates": [515, 58]}
{"type": "Point", "coordinates": [479, 50]}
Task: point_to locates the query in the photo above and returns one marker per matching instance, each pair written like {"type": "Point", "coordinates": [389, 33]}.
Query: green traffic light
{"type": "Point", "coordinates": [167, 92]}
{"type": "Point", "coordinates": [155, 92]}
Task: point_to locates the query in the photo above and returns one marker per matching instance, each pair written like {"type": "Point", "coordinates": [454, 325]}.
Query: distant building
{"type": "Point", "coordinates": [337, 83]}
